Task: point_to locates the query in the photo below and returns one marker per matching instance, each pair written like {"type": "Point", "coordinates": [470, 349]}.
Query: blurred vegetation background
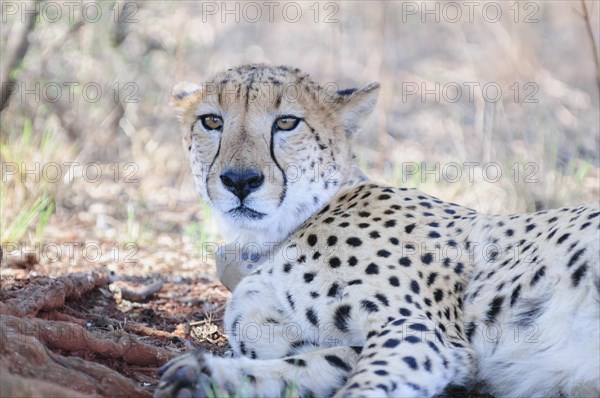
{"type": "Point", "coordinates": [90, 85]}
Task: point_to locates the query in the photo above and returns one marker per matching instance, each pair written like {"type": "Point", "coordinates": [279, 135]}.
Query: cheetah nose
{"type": "Point", "coordinates": [242, 182]}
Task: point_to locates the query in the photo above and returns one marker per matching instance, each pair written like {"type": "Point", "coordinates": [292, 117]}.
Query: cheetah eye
{"type": "Point", "coordinates": [286, 123]}
{"type": "Point", "coordinates": [211, 122]}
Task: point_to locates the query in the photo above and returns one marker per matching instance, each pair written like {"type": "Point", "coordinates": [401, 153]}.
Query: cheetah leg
{"type": "Point", "coordinates": [199, 374]}
{"type": "Point", "coordinates": [408, 358]}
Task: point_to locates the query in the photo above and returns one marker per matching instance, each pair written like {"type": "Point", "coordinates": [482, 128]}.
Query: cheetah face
{"type": "Point", "coordinates": [268, 146]}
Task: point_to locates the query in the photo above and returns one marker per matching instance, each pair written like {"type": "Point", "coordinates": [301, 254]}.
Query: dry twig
{"type": "Point", "coordinates": [588, 25]}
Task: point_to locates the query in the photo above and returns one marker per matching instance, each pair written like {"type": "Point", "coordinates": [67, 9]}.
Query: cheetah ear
{"type": "Point", "coordinates": [357, 105]}
{"type": "Point", "coordinates": [184, 95]}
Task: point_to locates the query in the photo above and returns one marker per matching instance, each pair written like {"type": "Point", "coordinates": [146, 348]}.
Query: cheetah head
{"type": "Point", "coordinates": [268, 146]}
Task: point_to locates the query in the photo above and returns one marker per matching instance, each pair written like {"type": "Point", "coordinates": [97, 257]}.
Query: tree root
{"type": "Point", "coordinates": [48, 294]}
{"type": "Point", "coordinates": [28, 357]}
{"type": "Point", "coordinates": [71, 337]}
{"type": "Point", "coordinates": [17, 386]}
{"type": "Point", "coordinates": [32, 350]}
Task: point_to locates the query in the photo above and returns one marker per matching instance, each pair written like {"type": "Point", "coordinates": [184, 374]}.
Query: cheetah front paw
{"type": "Point", "coordinates": [186, 376]}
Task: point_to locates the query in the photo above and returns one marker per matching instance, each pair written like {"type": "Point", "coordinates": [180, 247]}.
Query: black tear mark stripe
{"type": "Point", "coordinates": [210, 168]}
{"type": "Point", "coordinates": [272, 152]}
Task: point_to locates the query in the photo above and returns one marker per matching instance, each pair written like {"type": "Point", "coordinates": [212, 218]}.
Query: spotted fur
{"type": "Point", "coordinates": [371, 290]}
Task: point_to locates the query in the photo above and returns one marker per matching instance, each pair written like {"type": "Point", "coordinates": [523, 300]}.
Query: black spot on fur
{"type": "Point", "coordinates": [563, 238]}
{"type": "Point", "coordinates": [383, 299]}
{"type": "Point", "coordinates": [333, 290]}
{"type": "Point", "coordinates": [312, 317]}
{"type": "Point", "coordinates": [296, 362]}
{"type": "Point", "coordinates": [575, 257]}
{"type": "Point", "coordinates": [431, 278]}
{"type": "Point", "coordinates": [470, 330]}
{"type": "Point", "coordinates": [411, 362]}
{"type": "Point", "coordinates": [578, 274]}
{"type": "Point", "coordinates": [494, 310]}
{"type": "Point", "coordinates": [412, 339]}
{"type": "Point", "coordinates": [372, 269]}
{"type": "Point", "coordinates": [290, 301]}
{"type": "Point", "coordinates": [341, 317]}
{"type": "Point", "coordinates": [405, 312]}
{"type": "Point", "coordinates": [309, 276]}
{"type": "Point", "coordinates": [346, 92]}
{"type": "Point", "coordinates": [537, 276]}
{"type": "Point", "coordinates": [418, 327]}
{"type": "Point", "coordinates": [384, 253]}
{"type": "Point", "coordinates": [337, 362]}
{"type": "Point", "coordinates": [405, 262]}
{"type": "Point", "coordinates": [414, 286]}
{"type": "Point", "coordinates": [355, 242]}
{"type": "Point", "coordinates": [427, 365]}
{"type": "Point", "coordinates": [391, 343]}
{"type": "Point", "coordinates": [369, 306]}
{"type": "Point", "coordinates": [427, 258]}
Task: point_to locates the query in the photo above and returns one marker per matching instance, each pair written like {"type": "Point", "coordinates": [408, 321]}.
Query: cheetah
{"type": "Point", "coordinates": [366, 290]}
